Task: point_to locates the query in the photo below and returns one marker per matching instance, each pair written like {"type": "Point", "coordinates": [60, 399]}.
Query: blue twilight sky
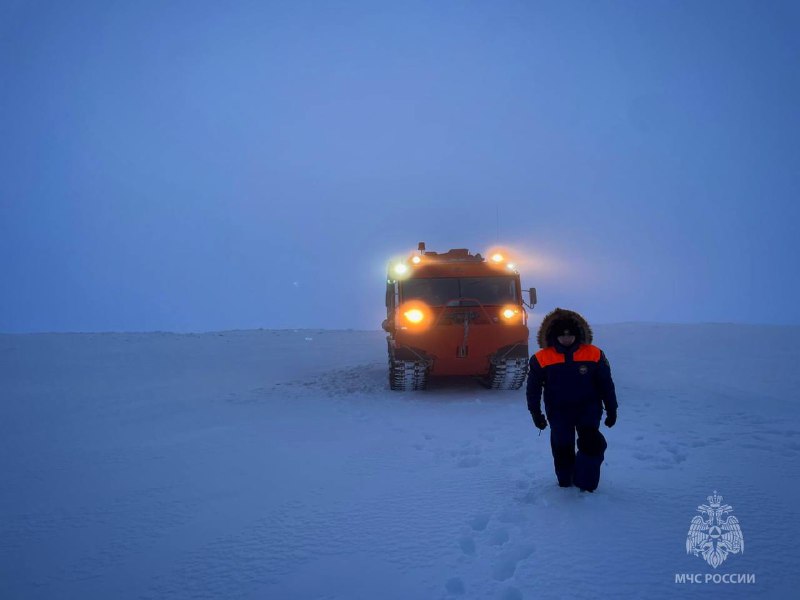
{"type": "Point", "coordinates": [204, 165]}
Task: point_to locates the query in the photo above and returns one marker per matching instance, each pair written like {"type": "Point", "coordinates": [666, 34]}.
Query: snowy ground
{"type": "Point", "coordinates": [276, 464]}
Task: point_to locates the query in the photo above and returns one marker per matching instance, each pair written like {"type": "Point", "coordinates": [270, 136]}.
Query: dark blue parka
{"type": "Point", "coordinates": [576, 381]}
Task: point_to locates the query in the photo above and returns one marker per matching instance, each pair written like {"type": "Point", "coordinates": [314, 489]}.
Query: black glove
{"type": "Point", "coordinates": [539, 420]}
{"type": "Point", "coordinates": [611, 418]}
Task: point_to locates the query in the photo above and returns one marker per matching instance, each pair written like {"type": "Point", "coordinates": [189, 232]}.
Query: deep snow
{"type": "Point", "coordinates": [277, 464]}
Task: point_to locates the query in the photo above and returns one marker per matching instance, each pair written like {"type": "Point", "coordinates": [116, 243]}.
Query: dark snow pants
{"type": "Point", "coordinates": [583, 468]}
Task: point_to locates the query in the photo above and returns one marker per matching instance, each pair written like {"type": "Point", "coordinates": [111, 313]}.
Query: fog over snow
{"type": "Point", "coordinates": [192, 166]}
{"type": "Point", "coordinates": [198, 203]}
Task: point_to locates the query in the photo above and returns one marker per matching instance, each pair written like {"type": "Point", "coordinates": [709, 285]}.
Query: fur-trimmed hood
{"type": "Point", "coordinates": [545, 337]}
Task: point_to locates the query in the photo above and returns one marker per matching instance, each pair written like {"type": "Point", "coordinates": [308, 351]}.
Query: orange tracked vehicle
{"type": "Point", "coordinates": [456, 313]}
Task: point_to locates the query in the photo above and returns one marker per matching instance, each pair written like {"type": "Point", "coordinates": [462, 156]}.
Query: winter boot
{"type": "Point", "coordinates": [591, 452]}
{"type": "Point", "coordinates": [564, 461]}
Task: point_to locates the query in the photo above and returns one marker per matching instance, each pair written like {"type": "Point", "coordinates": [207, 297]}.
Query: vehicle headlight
{"type": "Point", "coordinates": [414, 315]}
{"type": "Point", "coordinates": [509, 312]}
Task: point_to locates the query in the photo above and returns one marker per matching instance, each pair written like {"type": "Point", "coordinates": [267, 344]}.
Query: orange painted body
{"type": "Point", "coordinates": [460, 336]}
{"type": "Point", "coordinates": [442, 341]}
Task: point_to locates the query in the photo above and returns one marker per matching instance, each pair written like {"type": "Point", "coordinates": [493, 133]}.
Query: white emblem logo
{"type": "Point", "coordinates": [716, 536]}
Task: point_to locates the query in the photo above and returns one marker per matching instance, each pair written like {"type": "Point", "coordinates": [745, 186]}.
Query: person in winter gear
{"type": "Point", "coordinates": [577, 384]}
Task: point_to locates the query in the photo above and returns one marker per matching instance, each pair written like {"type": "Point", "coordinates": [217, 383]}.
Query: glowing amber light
{"type": "Point", "coordinates": [414, 315]}
{"type": "Point", "coordinates": [400, 269]}
{"type": "Point", "coordinates": [416, 260]}
{"type": "Point", "coordinates": [509, 312]}
{"type": "Point", "coordinates": [497, 257]}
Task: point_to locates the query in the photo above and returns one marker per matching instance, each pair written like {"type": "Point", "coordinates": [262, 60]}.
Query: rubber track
{"type": "Point", "coordinates": [508, 374]}
{"type": "Point", "coordinates": [407, 375]}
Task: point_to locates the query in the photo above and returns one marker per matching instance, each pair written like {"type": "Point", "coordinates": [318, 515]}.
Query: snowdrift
{"type": "Point", "coordinates": [277, 464]}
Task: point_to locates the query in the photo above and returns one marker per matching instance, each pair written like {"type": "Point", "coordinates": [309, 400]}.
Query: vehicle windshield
{"type": "Point", "coordinates": [449, 290]}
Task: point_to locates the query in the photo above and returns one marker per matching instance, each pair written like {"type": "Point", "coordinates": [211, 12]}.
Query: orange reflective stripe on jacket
{"type": "Point", "coordinates": [551, 356]}
{"type": "Point", "coordinates": [587, 353]}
